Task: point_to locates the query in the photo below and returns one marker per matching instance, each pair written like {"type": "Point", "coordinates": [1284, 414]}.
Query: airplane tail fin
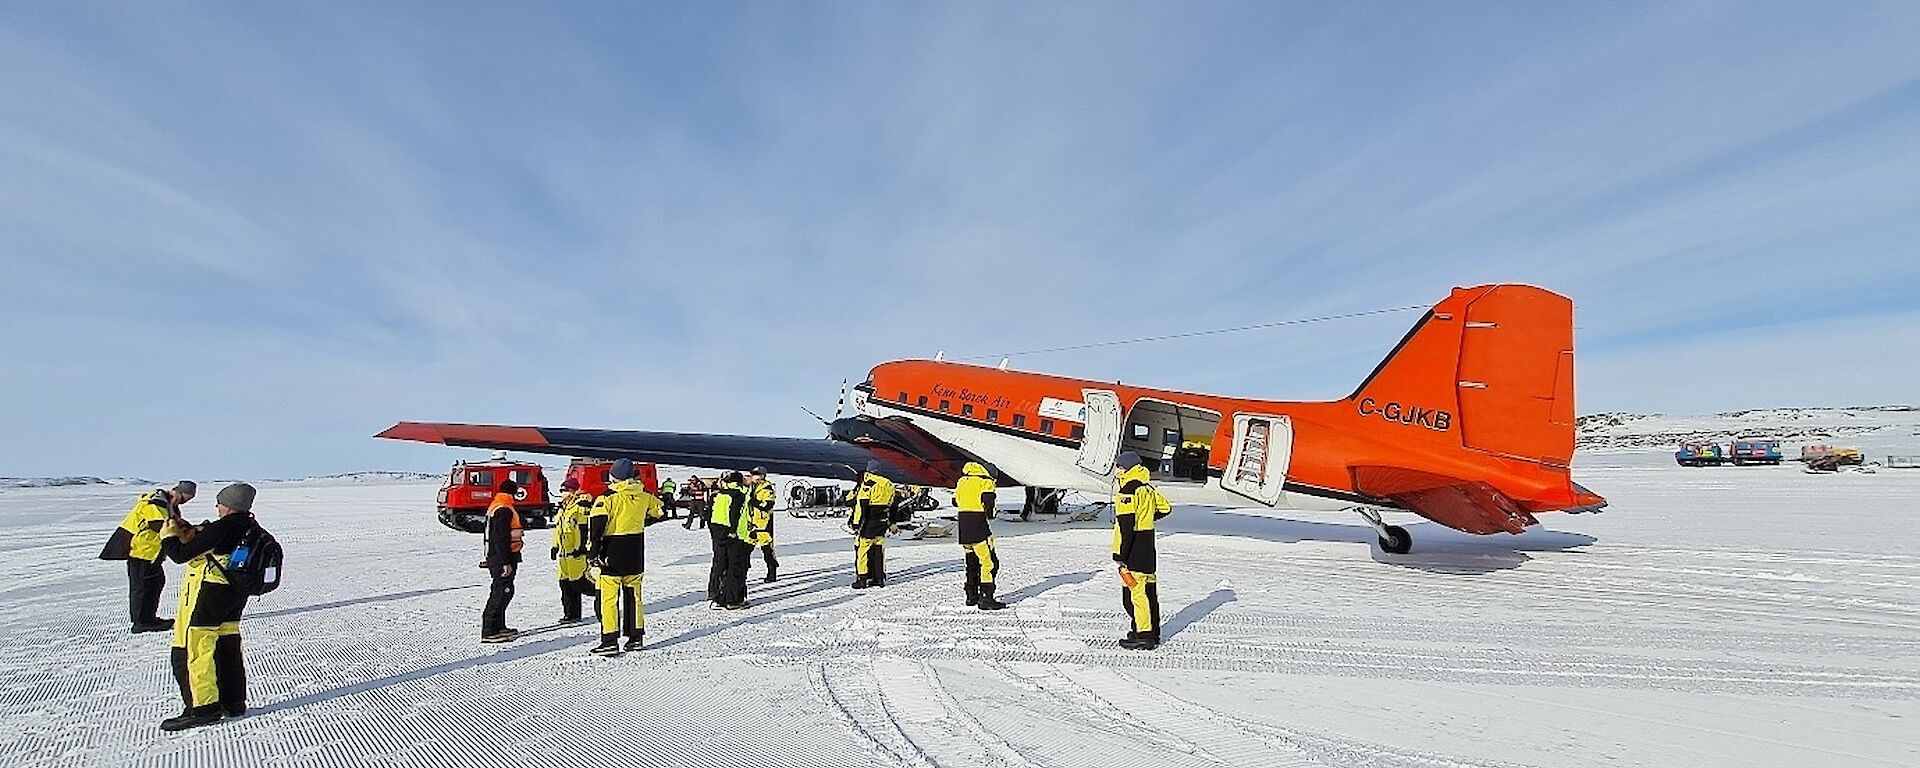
{"type": "Point", "coordinates": [1490, 366]}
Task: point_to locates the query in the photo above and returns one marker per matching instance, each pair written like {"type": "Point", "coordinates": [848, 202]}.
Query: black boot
{"type": "Point", "coordinates": [987, 603]}
{"type": "Point", "coordinates": [1141, 641]}
{"type": "Point", "coordinates": [609, 646]}
{"type": "Point", "coordinates": [192, 718]}
{"type": "Point", "coordinates": [636, 641]}
{"type": "Point", "coordinates": [973, 595]}
{"type": "Point", "coordinates": [771, 578]}
{"type": "Point", "coordinates": [861, 583]}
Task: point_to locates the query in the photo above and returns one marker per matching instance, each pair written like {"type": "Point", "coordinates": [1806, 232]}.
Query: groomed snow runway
{"type": "Point", "coordinates": [1732, 616]}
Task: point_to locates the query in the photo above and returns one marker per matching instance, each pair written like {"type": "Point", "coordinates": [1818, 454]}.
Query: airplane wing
{"type": "Point", "coordinates": [907, 454]}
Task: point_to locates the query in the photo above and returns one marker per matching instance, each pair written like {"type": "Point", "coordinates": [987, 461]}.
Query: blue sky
{"type": "Point", "coordinates": [240, 239]}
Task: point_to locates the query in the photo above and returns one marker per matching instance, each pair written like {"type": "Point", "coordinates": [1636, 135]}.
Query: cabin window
{"type": "Point", "coordinates": [520, 476]}
{"type": "Point", "coordinates": [1170, 438]}
{"type": "Point", "coordinates": [1046, 425]}
{"type": "Point", "coordinates": [966, 410]}
{"type": "Point", "coordinates": [483, 478]}
{"type": "Point", "coordinates": [993, 415]}
{"type": "Point", "coordinates": [946, 405]}
{"type": "Point", "coordinates": [923, 401]}
{"type": "Point", "coordinates": [903, 397]}
{"type": "Point", "coordinates": [1079, 431]}
{"type": "Point", "coordinates": [1020, 420]}
{"type": "Point", "coordinates": [1140, 431]}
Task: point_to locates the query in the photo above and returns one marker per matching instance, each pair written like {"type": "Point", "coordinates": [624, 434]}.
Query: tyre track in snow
{"type": "Point", "coordinates": [1217, 738]}
{"type": "Point", "coordinates": [1395, 658]}
{"type": "Point", "coordinates": [855, 702]}
{"type": "Point", "coordinates": [1136, 695]}
{"type": "Point", "coordinates": [927, 714]}
{"type": "Point", "coordinates": [1363, 662]}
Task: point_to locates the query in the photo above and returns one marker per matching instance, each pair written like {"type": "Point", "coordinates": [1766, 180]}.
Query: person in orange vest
{"type": "Point", "coordinates": [502, 561]}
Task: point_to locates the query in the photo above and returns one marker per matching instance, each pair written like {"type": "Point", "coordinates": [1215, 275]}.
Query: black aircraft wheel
{"type": "Point", "coordinates": [1396, 540]}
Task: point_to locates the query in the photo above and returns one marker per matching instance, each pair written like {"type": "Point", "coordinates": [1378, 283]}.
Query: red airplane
{"type": "Point", "coordinates": [1468, 422]}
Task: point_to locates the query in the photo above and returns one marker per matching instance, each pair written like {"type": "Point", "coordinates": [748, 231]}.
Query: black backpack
{"type": "Point", "coordinates": [256, 564]}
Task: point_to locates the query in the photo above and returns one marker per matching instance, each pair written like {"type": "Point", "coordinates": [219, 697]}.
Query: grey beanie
{"type": "Point", "coordinates": [237, 497]}
{"type": "Point", "coordinates": [622, 470]}
{"type": "Point", "coordinates": [187, 487]}
{"type": "Point", "coordinates": [1129, 460]}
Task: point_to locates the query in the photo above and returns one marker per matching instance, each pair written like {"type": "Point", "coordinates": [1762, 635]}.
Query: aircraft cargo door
{"type": "Point", "coordinates": [1262, 449]}
{"type": "Point", "coordinates": [1101, 444]}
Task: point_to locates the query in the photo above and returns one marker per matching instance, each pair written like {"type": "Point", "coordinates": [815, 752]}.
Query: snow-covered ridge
{"type": "Point", "coordinates": [1883, 426]}
{"type": "Point", "coordinates": [375, 476]}
{"type": "Point", "coordinates": [370, 477]}
{"type": "Point", "coordinates": [61, 482]}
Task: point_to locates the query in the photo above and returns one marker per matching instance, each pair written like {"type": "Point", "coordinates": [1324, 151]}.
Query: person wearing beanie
{"type": "Point", "coordinates": [569, 551]}
{"type": "Point", "coordinates": [871, 521]}
{"type": "Point", "coordinates": [502, 562]}
{"type": "Point", "coordinates": [1136, 506]}
{"type": "Point", "coordinates": [760, 500]}
{"type": "Point", "coordinates": [617, 539]}
{"type": "Point", "coordinates": [137, 541]}
{"type": "Point", "coordinates": [207, 661]}
{"type": "Point", "coordinates": [730, 527]}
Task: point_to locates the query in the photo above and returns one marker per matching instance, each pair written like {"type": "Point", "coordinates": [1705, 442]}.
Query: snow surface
{"type": "Point", "coordinates": [1732, 616]}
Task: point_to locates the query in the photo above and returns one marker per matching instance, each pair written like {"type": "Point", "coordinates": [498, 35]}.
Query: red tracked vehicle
{"type": "Point", "coordinates": [471, 485]}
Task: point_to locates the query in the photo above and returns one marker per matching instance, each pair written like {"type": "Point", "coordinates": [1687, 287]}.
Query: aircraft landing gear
{"type": "Point", "coordinates": [1393, 539]}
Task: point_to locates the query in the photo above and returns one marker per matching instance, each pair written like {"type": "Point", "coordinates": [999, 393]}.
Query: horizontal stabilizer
{"type": "Point", "coordinates": [1466, 505]}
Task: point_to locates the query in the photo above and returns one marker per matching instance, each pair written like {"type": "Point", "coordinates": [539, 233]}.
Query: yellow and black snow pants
{"type": "Point", "coordinates": [870, 557]}
{"type": "Point", "coordinates": [1142, 601]}
{"type": "Point", "coordinates": [207, 660]}
{"type": "Point", "coordinates": [982, 564]}
{"type": "Point", "coordinates": [616, 593]}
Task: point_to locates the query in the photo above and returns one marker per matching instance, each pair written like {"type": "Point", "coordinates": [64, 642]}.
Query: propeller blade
{"type": "Point", "coordinates": [837, 407]}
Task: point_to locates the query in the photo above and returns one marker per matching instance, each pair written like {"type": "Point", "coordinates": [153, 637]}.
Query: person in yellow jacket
{"type": "Point", "coordinates": [974, 497]}
{"type": "Point", "coordinates": [617, 536]}
{"type": "Point", "coordinates": [760, 499]}
{"type": "Point", "coordinates": [1136, 506]}
{"type": "Point", "coordinates": [569, 552]}
{"type": "Point", "coordinates": [137, 541]}
{"type": "Point", "coordinates": [871, 521]}
{"type": "Point", "coordinates": [730, 524]}
{"type": "Point", "coordinates": [207, 662]}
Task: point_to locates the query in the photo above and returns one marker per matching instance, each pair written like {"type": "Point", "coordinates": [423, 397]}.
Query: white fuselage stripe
{"type": "Point", "coordinates": [1047, 465]}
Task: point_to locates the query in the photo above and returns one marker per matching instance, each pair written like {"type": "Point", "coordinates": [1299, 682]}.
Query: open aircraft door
{"type": "Point", "coordinates": [1262, 449]}
{"type": "Point", "coordinates": [1101, 444]}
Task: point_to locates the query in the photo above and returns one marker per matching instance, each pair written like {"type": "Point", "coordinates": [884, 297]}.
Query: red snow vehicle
{"type": "Point", "coordinates": [591, 474]}
{"type": "Point", "coordinates": [470, 488]}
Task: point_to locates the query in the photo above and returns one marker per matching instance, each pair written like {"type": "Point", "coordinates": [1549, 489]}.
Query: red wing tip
{"type": "Point", "coordinates": [465, 434]}
{"type": "Point", "coordinates": [413, 430]}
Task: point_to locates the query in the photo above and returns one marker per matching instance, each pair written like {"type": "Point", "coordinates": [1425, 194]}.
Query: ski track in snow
{"type": "Point", "coordinates": [1763, 617]}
